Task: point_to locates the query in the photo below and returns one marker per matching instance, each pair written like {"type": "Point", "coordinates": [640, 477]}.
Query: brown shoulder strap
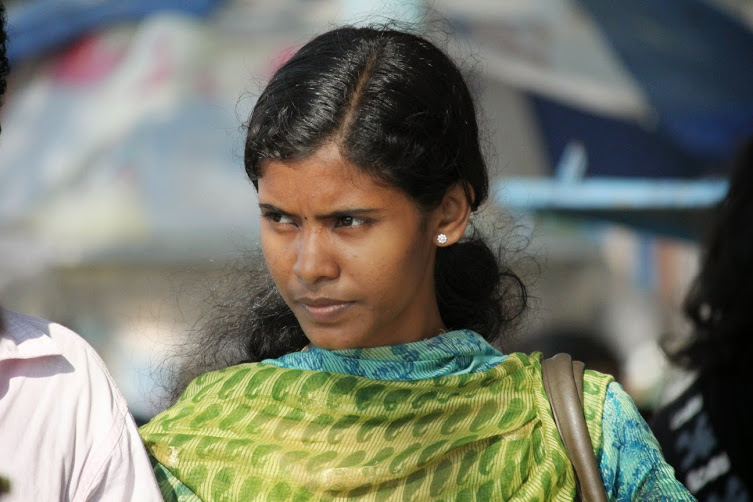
{"type": "Point", "coordinates": [563, 382]}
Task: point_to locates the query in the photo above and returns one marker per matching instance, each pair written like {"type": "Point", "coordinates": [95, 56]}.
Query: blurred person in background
{"type": "Point", "coordinates": [706, 432]}
{"type": "Point", "coordinates": [582, 343]}
{"type": "Point", "coordinates": [364, 368]}
{"type": "Point", "coordinates": [65, 429]}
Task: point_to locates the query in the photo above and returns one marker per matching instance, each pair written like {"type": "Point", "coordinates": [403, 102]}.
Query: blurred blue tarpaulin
{"type": "Point", "coordinates": [38, 26]}
{"type": "Point", "coordinates": [649, 90]}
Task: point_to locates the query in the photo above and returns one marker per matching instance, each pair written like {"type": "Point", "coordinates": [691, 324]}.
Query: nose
{"type": "Point", "coordinates": [316, 260]}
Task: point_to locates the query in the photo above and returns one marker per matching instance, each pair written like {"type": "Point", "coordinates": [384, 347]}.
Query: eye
{"type": "Point", "coordinates": [349, 221]}
{"type": "Point", "coordinates": [276, 217]}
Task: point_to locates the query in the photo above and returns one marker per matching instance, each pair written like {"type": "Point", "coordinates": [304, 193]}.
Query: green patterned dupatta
{"type": "Point", "coordinates": [261, 432]}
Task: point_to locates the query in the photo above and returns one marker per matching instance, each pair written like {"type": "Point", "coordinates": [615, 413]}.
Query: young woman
{"type": "Point", "coordinates": [372, 375]}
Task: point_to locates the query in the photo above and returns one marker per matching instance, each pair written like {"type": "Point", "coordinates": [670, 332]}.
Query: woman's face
{"type": "Point", "coordinates": [352, 258]}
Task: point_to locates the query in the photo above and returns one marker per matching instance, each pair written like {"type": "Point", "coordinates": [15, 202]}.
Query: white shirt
{"type": "Point", "coordinates": [65, 430]}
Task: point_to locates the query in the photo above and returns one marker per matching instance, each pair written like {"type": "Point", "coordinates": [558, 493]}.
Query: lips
{"type": "Point", "coordinates": [324, 309]}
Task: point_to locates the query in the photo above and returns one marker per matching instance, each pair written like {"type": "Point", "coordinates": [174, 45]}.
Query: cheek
{"type": "Point", "coordinates": [272, 249]}
{"type": "Point", "coordinates": [395, 273]}
{"type": "Point", "coordinates": [267, 250]}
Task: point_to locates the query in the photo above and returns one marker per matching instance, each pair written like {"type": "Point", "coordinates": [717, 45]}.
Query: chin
{"type": "Point", "coordinates": [333, 338]}
{"type": "Point", "coordinates": [327, 342]}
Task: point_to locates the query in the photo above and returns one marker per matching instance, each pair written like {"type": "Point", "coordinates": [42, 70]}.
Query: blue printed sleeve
{"type": "Point", "coordinates": [631, 463]}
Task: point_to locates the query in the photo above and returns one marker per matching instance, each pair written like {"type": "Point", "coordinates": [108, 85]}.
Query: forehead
{"type": "Point", "coordinates": [325, 178]}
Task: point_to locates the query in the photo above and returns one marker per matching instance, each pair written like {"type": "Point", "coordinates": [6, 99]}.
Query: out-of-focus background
{"type": "Point", "coordinates": [122, 190]}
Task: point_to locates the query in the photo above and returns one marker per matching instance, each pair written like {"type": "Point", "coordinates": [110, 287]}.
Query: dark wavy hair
{"type": "Point", "coordinates": [399, 108]}
{"type": "Point", "coordinates": [718, 303]}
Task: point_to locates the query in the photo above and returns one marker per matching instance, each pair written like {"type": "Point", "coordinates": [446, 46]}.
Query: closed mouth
{"type": "Point", "coordinates": [324, 309]}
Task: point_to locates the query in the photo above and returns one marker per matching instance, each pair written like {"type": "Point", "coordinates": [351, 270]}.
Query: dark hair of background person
{"type": "Point", "coordinates": [400, 109]}
{"type": "Point", "coordinates": [708, 423]}
{"type": "Point", "coordinates": [718, 303]}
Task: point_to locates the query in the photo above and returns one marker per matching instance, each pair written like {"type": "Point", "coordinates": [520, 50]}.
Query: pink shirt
{"type": "Point", "coordinates": [65, 430]}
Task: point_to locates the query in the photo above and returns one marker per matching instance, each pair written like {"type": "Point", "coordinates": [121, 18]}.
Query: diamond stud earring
{"type": "Point", "coordinates": [441, 238]}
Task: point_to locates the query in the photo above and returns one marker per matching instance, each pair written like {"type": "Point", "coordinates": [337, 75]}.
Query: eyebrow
{"type": "Point", "coordinates": [334, 214]}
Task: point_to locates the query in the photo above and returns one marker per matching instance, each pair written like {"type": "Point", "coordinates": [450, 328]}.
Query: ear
{"type": "Point", "coordinates": [451, 216]}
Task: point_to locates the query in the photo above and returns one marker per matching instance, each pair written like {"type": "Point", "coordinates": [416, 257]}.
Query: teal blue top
{"type": "Point", "coordinates": [451, 353]}
{"type": "Point", "coordinates": [630, 458]}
